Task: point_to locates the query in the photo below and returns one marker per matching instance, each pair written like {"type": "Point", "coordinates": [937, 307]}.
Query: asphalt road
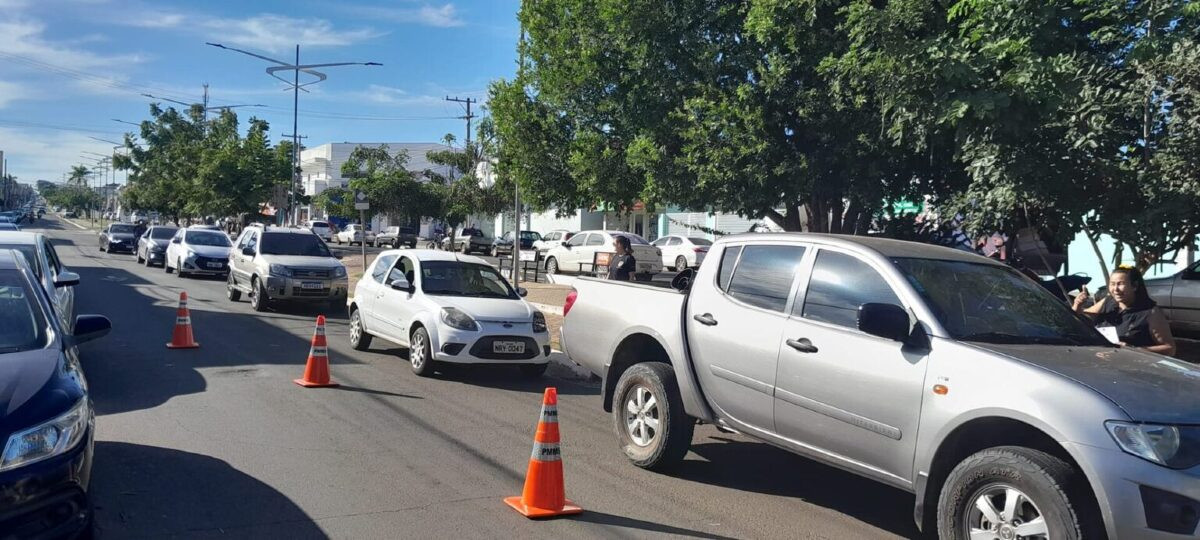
{"type": "Point", "coordinates": [218, 441]}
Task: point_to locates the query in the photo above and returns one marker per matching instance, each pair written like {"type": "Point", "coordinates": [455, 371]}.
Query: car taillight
{"type": "Point", "coordinates": [700, 249]}
{"type": "Point", "coordinates": [571, 296]}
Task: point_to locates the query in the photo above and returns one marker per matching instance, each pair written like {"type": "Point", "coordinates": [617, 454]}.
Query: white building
{"type": "Point", "coordinates": [321, 169]}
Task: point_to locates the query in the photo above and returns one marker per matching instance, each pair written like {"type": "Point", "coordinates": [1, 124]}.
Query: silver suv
{"type": "Point", "coordinates": [273, 264]}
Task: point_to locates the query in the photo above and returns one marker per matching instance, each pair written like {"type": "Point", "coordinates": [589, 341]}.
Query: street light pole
{"type": "Point", "coordinates": [296, 87]}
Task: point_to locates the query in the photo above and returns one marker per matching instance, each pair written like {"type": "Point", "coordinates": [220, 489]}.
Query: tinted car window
{"type": "Point", "coordinates": [674, 241]}
{"type": "Point", "coordinates": [634, 239]}
{"type": "Point", "coordinates": [303, 245]}
{"type": "Point", "coordinates": [122, 229]}
{"type": "Point", "coordinates": [700, 241]}
{"type": "Point", "coordinates": [198, 238]}
{"type": "Point", "coordinates": [162, 233]}
{"type": "Point", "coordinates": [840, 284]}
{"type": "Point", "coordinates": [728, 259]}
{"type": "Point", "coordinates": [530, 236]}
{"type": "Point", "coordinates": [381, 267]}
{"type": "Point", "coordinates": [31, 256]}
{"type": "Point", "coordinates": [577, 240]}
{"type": "Point", "coordinates": [763, 276]}
{"type": "Point", "coordinates": [594, 240]}
{"type": "Point", "coordinates": [21, 325]}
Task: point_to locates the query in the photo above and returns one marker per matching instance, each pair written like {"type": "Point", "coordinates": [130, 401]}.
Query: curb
{"type": "Point", "coordinates": [547, 308]}
{"type": "Point", "coordinates": [81, 227]}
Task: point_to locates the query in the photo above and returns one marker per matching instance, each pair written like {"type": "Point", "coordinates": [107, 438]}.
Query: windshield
{"type": "Point", "coordinates": [320, 224]}
{"type": "Point", "coordinates": [304, 245]}
{"type": "Point", "coordinates": [199, 238]}
{"type": "Point", "coordinates": [21, 326]}
{"type": "Point", "coordinates": [453, 278]}
{"type": "Point", "coordinates": [530, 236]}
{"type": "Point", "coordinates": [30, 253]}
{"type": "Point", "coordinates": [163, 233]}
{"type": "Point", "coordinates": [633, 239]}
{"type": "Point", "coordinates": [122, 229]}
{"type": "Point", "coordinates": [407, 230]}
{"type": "Point", "coordinates": [994, 304]}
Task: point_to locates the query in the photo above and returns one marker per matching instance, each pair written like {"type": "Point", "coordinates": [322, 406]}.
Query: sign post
{"type": "Point", "coordinates": [362, 205]}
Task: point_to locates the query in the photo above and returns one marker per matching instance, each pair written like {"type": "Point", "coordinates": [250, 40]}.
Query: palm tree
{"type": "Point", "coordinates": [79, 175]}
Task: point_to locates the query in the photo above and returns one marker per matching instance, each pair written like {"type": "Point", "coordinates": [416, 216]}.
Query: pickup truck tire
{"type": "Point", "coordinates": [647, 398]}
{"type": "Point", "coordinates": [1049, 494]}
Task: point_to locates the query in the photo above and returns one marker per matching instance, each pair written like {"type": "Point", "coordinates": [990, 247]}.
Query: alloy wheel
{"type": "Point", "coordinates": [1003, 512]}
{"type": "Point", "coordinates": [641, 416]}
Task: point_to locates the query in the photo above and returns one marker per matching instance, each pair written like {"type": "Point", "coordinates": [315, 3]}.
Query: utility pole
{"type": "Point", "coordinates": [469, 116]}
{"type": "Point", "coordinates": [295, 87]}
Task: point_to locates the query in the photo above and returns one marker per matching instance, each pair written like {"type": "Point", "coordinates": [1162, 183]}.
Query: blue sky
{"type": "Point", "coordinates": [68, 67]}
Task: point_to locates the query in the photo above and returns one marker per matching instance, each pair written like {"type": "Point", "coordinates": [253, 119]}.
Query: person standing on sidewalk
{"type": "Point", "coordinates": [1128, 307]}
{"type": "Point", "coordinates": [623, 265]}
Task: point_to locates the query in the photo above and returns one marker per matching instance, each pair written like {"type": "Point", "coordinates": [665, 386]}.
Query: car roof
{"type": "Point", "coordinates": [275, 229]}
{"type": "Point", "coordinates": [19, 237]}
{"type": "Point", "coordinates": [8, 261]}
{"type": "Point", "coordinates": [428, 255]}
{"type": "Point", "coordinates": [887, 247]}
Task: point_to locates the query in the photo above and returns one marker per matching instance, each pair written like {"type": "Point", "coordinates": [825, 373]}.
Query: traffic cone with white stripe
{"type": "Point", "coordinates": [544, 495]}
{"type": "Point", "coordinates": [182, 337]}
{"type": "Point", "coordinates": [316, 372]}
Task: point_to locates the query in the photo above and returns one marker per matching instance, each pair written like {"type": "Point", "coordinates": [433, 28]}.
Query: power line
{"type": "Point", "coordinates": [39, 125]}
{"type": "Point", "coordinates": [468, 102]}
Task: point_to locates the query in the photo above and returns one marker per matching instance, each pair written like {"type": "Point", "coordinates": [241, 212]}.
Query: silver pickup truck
{"type": "Point", "coordinates": [932, 370]}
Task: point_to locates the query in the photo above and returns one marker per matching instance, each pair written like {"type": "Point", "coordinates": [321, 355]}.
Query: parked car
{"type": "Point", "coordinates": [469, 241]}
{"type": "Point", "coordinates": [272, 264]}
{"type": "Point", "coordinates": [321, 229]}
{"type": "Point", "coordinates": [70, 214]}
{"type": "Point", "coordinates": [682, 252]}
{"type": "Point", "coordinates": [355, 233]}
{"type": "Point", "coordinates": [395, 237]}
{"type": "Point", "coordinates": [47, 420]}
{"type": "Point", "coordinates": [583, 246]}
{"type": "Point", "coordinates": [119, 237]}
{"type": "Point", "coordinates": [1178, 297]}
{"type": "Point", "coordinates": [552, 239]}
{"type": "Point", "coordinates": [503, 245]}
{"type": "Point", "coordinates": [152, 245]}
{"type": "Point", "coordinates": [196, 251]}
{"type": "Point", "coordinates": [9, 226]}
{"type": "Point", "coordinates": [56, 279]}
{"type": "Point", "coordinates": [936, 371]}
{"type": "Point", "coordinates": [447, 308]}
{"type": "Point", "coordinates": [139, 217]}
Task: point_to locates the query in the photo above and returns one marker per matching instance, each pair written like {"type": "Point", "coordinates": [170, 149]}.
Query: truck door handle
{"type": "Point", "coordinates": [705, 319]}
{"type": "Point", "coordinates": [803, 345]}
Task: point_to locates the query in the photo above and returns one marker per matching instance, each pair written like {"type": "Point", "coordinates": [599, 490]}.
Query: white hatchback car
{"type": "Point", "coordinates": [353, 234]}
{"type": "Point", "coordinates": [447, 308]}
{"type": "Point", "coordinates": [198, 251]}
{"type": "Point", "coordinates": [682, 252]}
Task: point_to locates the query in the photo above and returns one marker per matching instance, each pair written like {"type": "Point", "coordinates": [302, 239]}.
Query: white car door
{"type": "Point", "coordinates": [369, 289]}
{"type": "Point", "coordinates": [174, 249]}
{"type": "Point", "coordinates": [661, 244]}
{"type": "Point", "coordinates": [394, 308]}
{"type": "Point", "coordinates": [596, 242]}
{"type": "Point", "coordinates": [64, 297]}
{"type": "Point", "coordinates": [569, 256]}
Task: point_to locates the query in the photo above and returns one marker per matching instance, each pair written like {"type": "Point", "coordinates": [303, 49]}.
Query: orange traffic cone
{"type": "Point", "coordinates": [182, 337]}
{"type": "Point", "coordinates": [316, 373]}
{"type": "Point", "coordinates": [544, 495]}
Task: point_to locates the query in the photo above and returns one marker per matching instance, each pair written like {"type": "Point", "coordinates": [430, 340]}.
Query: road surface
{"type": "Point", "coordinates": [219, 443]}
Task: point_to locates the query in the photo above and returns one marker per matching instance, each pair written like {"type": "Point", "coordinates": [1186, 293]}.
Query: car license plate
{"type": "Point", "coordinates": [312, 285]}
{"type": "Point", "coordinates": [508, 347]}
{"type": "Point", "coordinates": [215, 265]}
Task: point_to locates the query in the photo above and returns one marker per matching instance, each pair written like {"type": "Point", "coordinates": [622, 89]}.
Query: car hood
{"type": "Point", "coordinates": [160, 244]}
{"type": "Point", "coordinates": [211, 251]}
{"type": "Point", "coordinates": [488, 309]}
{"type": "Point", "coordinates": [303, 262]}
{"type": "Point", "coordinates": [1149, 387]}
{"type": "Point", "coordinates": [33, 389]}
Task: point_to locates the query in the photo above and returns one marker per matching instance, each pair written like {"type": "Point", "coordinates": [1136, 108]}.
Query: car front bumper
{"type": "Point", "coordinates": [156, 256]}
{"type": "Point", "coordinates": [48, 499]}
{"type": "Point", "coordinates": [120, 246]}
{"type": "Point", "coordinates": [1131, 490]}
{"type": "Point", "coordinates": [476, 347]}
{"type": "Point", "coordinates": [307, 289]}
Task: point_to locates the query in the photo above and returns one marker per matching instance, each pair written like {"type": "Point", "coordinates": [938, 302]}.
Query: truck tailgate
{"type": "Point", "coordinates": [606, 311]}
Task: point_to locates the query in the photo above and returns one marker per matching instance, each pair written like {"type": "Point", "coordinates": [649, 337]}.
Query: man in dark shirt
{"type": "Point", "coordinates": [623, 265]}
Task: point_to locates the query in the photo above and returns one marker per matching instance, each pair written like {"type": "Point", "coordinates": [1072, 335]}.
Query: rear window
{"type": "Point", "coordinates": [162, 233]}
{"type": "Point", "coordinates": [122, 229]}
{"type": "Point", "coordinates": [22, 327]}
{"type": "Point", "coordinates": [701, 241]}
{"type": "Point", "coordinates": [530, 235]}
{"type": "Point", "coordinates": [202, 238]}
{"type": "Point", "coordinates": [634, 239]}
{"type": "Point", "coordinates": [407, 230]}
{"type": "Point", "coordinates": [303, 245]}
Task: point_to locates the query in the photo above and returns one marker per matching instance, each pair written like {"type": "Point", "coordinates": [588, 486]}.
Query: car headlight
{"type": "Point", "coordinates": [1177, 447]}
{"type": "Point", "coordinates": [47, 440]}
{"type": "Point", "coordinates": [279, 270]}
{"type": "Point", "coordinates": [339, 272]}
{"type": "Point", "coordinates": [455, 318]}
{"type": "Point", "coordinates": [191, 254]}
{"type": "Point", "coordinates": [539, 322]}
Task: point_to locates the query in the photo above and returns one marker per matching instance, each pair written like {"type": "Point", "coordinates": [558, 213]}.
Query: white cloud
{"type": "Point", "coordinates": [45, 155]}
{"type": "Point", "coordinates": [389, 95]}
{"type": "Point", "coordinates": [13, 4]}
{"type": "Point", "coordinates": [155, 19]}
{"type": "Point", "coordinates": [24, 38]}
{"type": "Point", "coordinates": [443, 16]}
{"type": "Point", "coordinates": [10, 92]}
{"type": "Point", "coordinates": [278, 33]}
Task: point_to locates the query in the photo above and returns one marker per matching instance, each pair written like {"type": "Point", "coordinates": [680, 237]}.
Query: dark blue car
{"type": "Point", "coordinates": [46, 419]}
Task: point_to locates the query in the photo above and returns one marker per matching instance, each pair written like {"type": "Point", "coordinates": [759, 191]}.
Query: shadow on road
{"type": "Point", "coordinates": [151, 492]}
{"type": "Point", "coordinates": [131, 369]}
{"type": "Point", "coordinates": [601, 518]}
{"type": "Point", "coordinates": [761, 468]}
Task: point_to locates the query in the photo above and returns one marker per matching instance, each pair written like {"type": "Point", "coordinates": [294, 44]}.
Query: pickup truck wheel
{"type": "Point", "coordinates": [1013, 492]}
{"type": "Point", "coordinates": [654, 430]}
{"type": "Point", "coordinates": [420, 353]}
{"type": "Point", "coordinates": [360, 340]}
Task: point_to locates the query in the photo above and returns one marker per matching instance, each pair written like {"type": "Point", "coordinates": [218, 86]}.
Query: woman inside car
{"type": "Point", "coordinates": [1129, 309]}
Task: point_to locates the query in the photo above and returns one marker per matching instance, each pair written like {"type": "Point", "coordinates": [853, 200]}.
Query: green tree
{"type": "Point", "coordinates": [78, 175]}
{"type": "Point", "coordinates": [336, 201]}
